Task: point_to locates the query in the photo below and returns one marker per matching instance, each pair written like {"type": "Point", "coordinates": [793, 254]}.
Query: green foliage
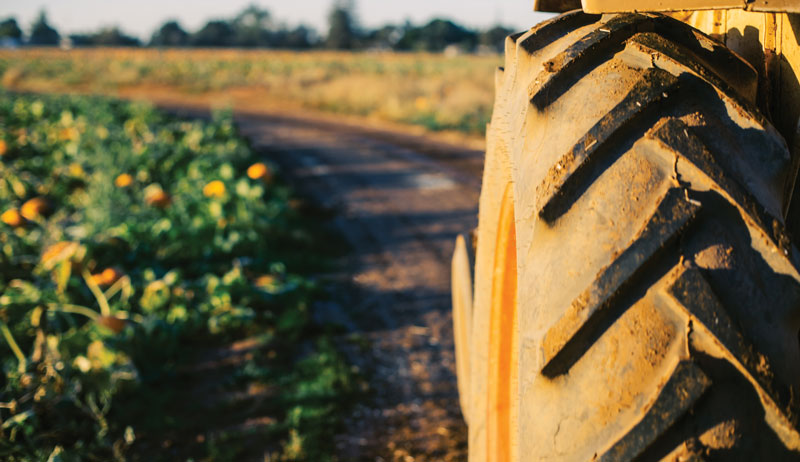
{"type": "Point", "coordinates": [256, 27]}
{"type": "Point", "coordinates": [42, 33]}
{"type": "Point", "coordinates": [152, 240]}
{"type": "Point", "coordinates": [216, 33]}
{"type": "Point", "coordinates": [495, 38]}
{"type": "Point", "coordinates": [342, 31]}
{"type": "Point", "coordinates": [107, 37]}
{"type": "Point", "coordinates": [436, 36]}
{"type": "Point", "coordinates": [170, 34]}
{"type": "Point", "coordinates": [252, 27]}
{"type": "Point", "coordinates": [10, 30]}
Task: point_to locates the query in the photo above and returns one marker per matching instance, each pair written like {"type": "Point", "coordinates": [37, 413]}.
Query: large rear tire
{"type": "Point", "coordinates": [636, 295]}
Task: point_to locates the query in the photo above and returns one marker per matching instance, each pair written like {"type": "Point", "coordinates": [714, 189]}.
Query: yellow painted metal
{"type": "Point", "coordinates": [620, 6]}
{"type": "Point", "coordinates": [501, 412]}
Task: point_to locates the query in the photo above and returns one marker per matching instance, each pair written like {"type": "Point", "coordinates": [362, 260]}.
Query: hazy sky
{"type": "Point", "coordinates": [141, 17]}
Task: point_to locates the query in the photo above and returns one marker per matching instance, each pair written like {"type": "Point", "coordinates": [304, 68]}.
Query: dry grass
{"type": "Point", "coordinates": [437, 92]}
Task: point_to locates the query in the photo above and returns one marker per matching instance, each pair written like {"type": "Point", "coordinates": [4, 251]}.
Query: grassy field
{"type": "Point", "coordinates": [434, 91]}
{"type": "Point", "coordinates": [135, 250]}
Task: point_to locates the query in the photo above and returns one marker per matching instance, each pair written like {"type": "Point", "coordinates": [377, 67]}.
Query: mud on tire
{"type": "Point", "coordinates": [658, 292]}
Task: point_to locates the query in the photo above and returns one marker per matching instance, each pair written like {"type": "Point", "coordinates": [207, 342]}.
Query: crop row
{"type": "Point", "coordinates": [132, 244]}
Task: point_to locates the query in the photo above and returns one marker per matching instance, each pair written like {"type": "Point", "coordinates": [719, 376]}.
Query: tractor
{"type": "Point", "coordinates": [632, 291]}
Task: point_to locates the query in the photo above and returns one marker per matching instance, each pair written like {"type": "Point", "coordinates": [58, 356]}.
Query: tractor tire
{"type": "Point", "coordinates": [636, 296]}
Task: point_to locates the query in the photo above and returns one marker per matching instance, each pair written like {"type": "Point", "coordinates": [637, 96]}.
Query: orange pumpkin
{"type": "Point", "coordinates": [35, 208]}
{"type": "Point", "coordinates": [259, 171]}
{"type": "Point", "coordinates": [214, 188]}
{"type": "Point", "coordinates": [123, 181]}
{"type": "Point", "coordinates": [12, 217]}
{"type": "Point", "coordinates": [107, 277]}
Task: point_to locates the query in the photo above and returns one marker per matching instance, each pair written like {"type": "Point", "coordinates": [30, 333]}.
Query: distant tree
{"type": "Point", "coordinates": [171, 34]}
{"type": "Point", "coordinates": [108, 37]}
{"type": "Point", "coordinates": [495, 38]}
{"type": "Point", "coordinates": [342, 31]}
{"type": "Point", "coordinates": [113, 37]}
{"type": "Point", "coordinates": [216, 33]}
{"type": "Point", "coordinates": [299, 38]}
{"type": "Point", "coordinates": [384, 37]}
{"type": "Point", "coordinates": [436, 35]}
{"type": "Point", "coordinates": [253, 27]}
{"type": "Point", "coordinates": [9, 30]}
{"type": "Point", "coordinates": [81, 40]}
{"type": "Point", "coordinates": [42, 33]}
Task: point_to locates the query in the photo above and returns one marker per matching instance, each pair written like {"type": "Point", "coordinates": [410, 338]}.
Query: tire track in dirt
{"type": "Point", "coordinates": [401, 200]}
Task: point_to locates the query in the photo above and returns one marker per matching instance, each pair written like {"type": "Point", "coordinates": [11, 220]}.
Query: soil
{"type": "Point", "coordinates": [400, 200]}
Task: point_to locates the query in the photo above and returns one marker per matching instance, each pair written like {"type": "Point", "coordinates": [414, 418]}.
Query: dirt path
{"type": "Point", "coordinates": [401, 200]}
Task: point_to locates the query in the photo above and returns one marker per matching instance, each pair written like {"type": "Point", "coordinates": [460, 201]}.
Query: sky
{"type": "Point", "coordinates": [142, 17]}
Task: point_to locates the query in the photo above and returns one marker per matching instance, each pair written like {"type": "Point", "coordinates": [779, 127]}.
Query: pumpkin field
{"type": "Point", "coordinates": [138, 251]}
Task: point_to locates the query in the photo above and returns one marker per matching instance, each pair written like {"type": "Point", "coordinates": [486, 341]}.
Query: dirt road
{"type": "Point", "coordinates": [401, 200]}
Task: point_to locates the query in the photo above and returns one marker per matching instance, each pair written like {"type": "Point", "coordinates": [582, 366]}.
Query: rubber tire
{"type": "Point", "coordinates": [658, 291]}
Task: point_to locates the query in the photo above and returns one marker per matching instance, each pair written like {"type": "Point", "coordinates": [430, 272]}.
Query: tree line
{"type": "Point", "coordinates": [255, 27]}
